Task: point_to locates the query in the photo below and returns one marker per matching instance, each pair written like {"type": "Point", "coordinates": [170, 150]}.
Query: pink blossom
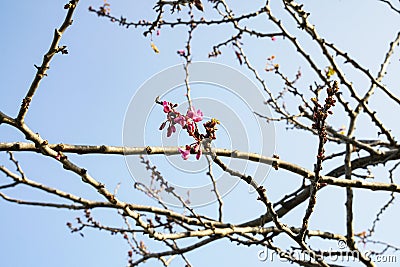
{"type": "Point", "coordinates": [185, 152]}
{"type": "Point", "coordinates": [167, 107]}
{"type": "Point", "coordinates": [198, 151]}
{"type": "Point", "coordinates": [273, 38]}
{"type": "Point", "coordinates": [171, 129]}
{"type": "Point", "coordinates": [181, 120]}
{"type": "Point", "coordinates": [158, 32]}
{"type": "Point", "coordinates": [190, 126]}
{"type": "Point", "coordinates": [198, 155]}
{"type": "Point", "coordinates": [196, 116]}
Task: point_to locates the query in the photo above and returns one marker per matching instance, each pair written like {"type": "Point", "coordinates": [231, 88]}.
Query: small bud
{"type": "Point", "coordinates": [162, 126]}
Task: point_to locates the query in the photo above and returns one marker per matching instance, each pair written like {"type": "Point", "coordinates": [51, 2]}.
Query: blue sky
{"type": "Point", "coordinates": [87, 92]}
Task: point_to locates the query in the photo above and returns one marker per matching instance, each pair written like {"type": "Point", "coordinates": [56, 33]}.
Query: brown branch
{"type": "Point", "coordinates": [301, 17]}
{"type": "Point", "coordinates": [42, 70]}
{"type": "Point", "coordinates": [215, 189]}
{"type": "Point", "coordinates": [391, 5]}
{"type": "Point", "coordinates": [143, 23]}
{"type": "Point", "coordinates": [42, 204]}
{"type": "Point", "coordinates": [386, 205]}
{"type": "Point", "coordinates": [24, 180]}
{"type": "Point", "coordinates": [330, 177]}
{"type": "Point", "coordinates": [319, 116]}
{"type": "Point", "coordinates": [188, 58]}
{"type": "Point", "coordinates": [175, 251]}
{"type": "Point", "coordinates": [381, 74]}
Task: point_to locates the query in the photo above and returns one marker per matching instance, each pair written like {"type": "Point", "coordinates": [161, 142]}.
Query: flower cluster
{"type": "Point", "coordinates": [189, 123]}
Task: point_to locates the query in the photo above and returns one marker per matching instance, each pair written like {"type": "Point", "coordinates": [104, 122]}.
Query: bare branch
{"type": "Point", "coordinates": [42, 70]}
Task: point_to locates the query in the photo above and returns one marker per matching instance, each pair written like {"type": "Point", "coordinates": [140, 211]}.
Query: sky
{"type": "Point", "coordinates": [87, 96]}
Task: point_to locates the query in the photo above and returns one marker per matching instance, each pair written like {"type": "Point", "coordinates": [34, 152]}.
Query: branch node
{"type": "Point", "coordinates": [103, 148]}
{"type": "Point", "coordinates": [59, 147]}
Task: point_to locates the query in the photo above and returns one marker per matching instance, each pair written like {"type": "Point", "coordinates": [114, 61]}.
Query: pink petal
{"type": "Point", "coordinates": [199, 115]}
{"type": "Point", "coordinates": [167, 107]}
{"type": "Point", "coordinates": [181, 120]}
{"type": "Point", "coordinates": [184, 153]}
{"type": "Point", "coordinates": [190, 114]}
{"type": "Point", "coordinates": [195, 115]}
{"type": "Point", "coordinates": [190, 126]}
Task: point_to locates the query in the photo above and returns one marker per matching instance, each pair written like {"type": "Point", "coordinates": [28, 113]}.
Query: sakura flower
{"type": "Point", "coordinates": [167, 107]}
{"type": "Point", "coordinates": [180, 120]}
{"type": "Point", "coordinates": [171, 129]}
{"type": "Point", "coordinates": [185, 152]}
{"type": "Point", "coordinates": [273, 38]}
{"type": "Point", "coordinates": [196, 116]}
